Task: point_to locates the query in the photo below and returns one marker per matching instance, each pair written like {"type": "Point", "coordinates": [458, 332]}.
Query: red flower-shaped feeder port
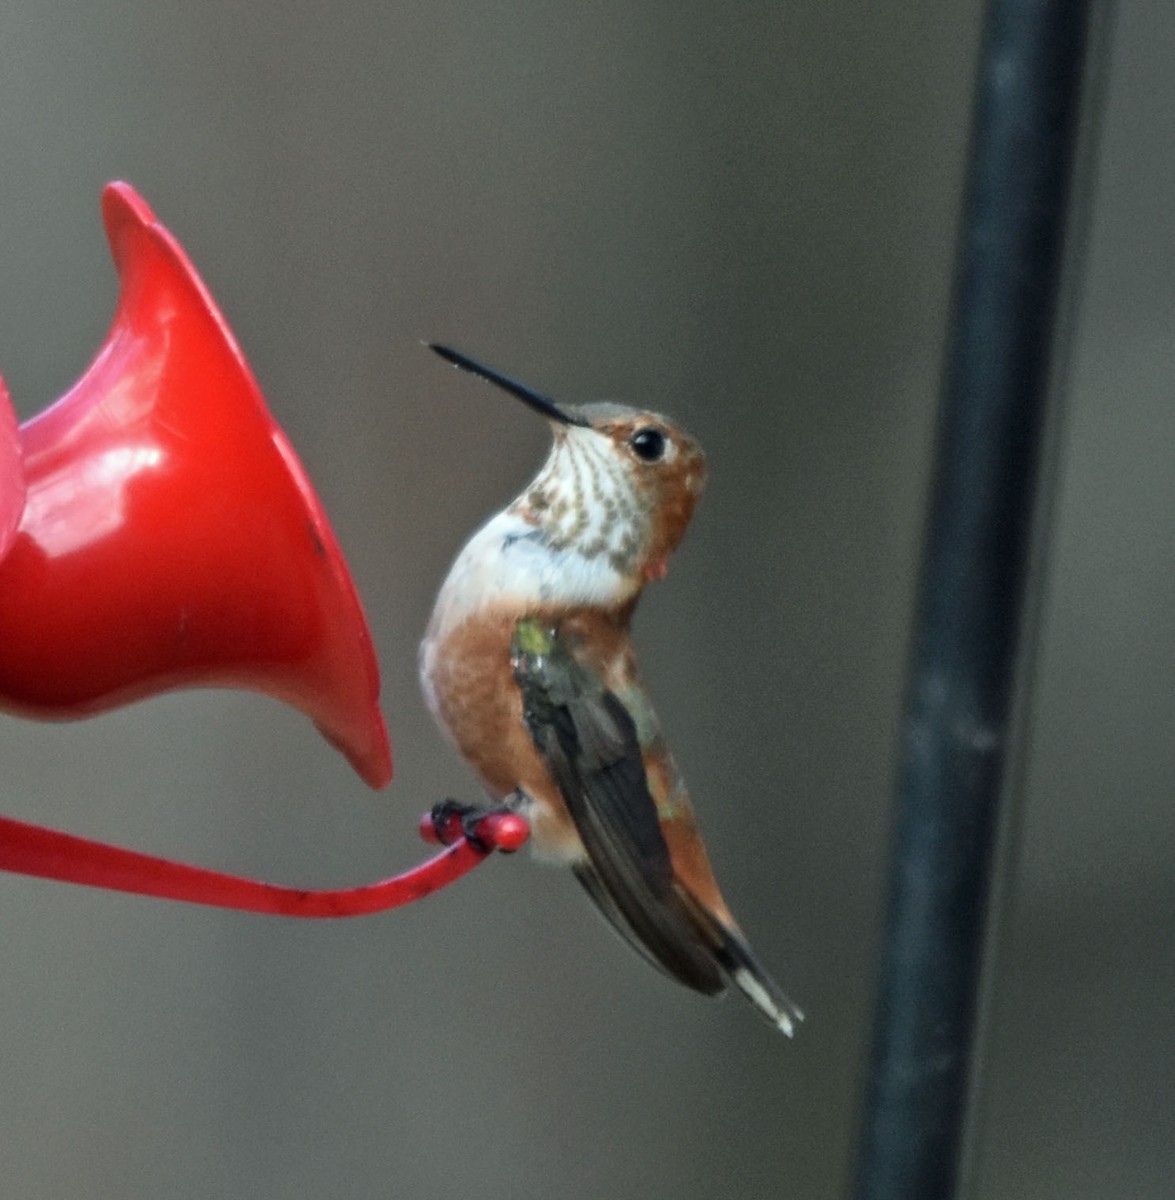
{"type": "Point", "coordinates": [170, 537]}
{"type": "Point", "coordinates": [157, 531]}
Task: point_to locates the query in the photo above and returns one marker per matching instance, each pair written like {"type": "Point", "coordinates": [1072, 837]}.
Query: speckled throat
{"type": "Point", "coordinates": [586, 500]}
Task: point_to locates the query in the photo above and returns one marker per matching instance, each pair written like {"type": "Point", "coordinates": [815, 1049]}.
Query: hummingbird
{"type": "Point", "coordinates": [528, 666]}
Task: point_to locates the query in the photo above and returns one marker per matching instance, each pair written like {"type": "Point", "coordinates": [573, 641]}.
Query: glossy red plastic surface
{"type": "Point", "coordinates": [170, 536]}
{"type": "Point", "coordinates": [12, 488]}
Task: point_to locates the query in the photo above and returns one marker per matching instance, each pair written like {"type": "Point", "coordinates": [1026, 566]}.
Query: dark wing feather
{"type": "Point", "coordinates": [589, 743]}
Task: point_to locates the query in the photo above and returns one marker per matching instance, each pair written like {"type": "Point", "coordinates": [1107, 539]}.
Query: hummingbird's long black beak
{"type": "Point", "coordinates": [535, 400]}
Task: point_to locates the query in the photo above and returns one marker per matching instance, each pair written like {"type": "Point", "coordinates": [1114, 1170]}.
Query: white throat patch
{"type": "Point", "coordinates": [585, 503]}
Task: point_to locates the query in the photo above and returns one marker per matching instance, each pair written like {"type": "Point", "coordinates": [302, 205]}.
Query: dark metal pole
{"type": "Point", "coordinates": [956, 724]}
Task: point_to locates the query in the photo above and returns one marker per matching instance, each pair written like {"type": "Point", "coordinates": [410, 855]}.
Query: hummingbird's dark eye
{"type": "Point", "coordinates": [648, 443]}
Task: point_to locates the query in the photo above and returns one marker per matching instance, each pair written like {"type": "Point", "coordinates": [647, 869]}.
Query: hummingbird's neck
{"type": "Point", "coordinates": [583, 503]}
{"type": "Point", "coordinates": [511, 563]}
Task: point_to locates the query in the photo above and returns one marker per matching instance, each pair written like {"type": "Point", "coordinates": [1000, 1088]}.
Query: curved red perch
{"type": "Point", "coordinates": [50, 854]}
{"type": "Point", "coordinates": [170, 537]}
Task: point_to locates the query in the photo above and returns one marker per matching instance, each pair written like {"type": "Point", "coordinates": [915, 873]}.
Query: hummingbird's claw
{"type": "Point", "coordinates": [452, 820]}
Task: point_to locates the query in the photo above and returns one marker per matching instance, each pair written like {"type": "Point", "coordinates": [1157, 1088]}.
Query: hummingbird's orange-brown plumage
{"type": "Point", "coordinates": [528, 665]}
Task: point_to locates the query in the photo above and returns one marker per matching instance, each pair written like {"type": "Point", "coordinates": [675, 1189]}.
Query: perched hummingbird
{"type": "Point", "coordinates": [528, 665]}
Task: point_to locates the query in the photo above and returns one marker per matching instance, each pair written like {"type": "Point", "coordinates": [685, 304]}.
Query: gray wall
{"type": "Point", "coordinates": [742, 216]}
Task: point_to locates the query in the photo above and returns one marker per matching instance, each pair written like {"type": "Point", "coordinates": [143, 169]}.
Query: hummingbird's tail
{"type": "Point", "coordinates": [740, 965]}
{"type": "Point", "coordinates": [748, 974]}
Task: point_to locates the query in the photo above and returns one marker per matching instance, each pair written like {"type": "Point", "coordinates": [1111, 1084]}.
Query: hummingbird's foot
{"type": "Point", "coordinates": [453, 820]}
{"type": "Point", "coordinates": [487, 828]}
{"type": "Point", "coordinates": [518, 802]}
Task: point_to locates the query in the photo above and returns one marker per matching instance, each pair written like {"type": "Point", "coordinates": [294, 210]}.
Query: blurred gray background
{"type": "Point", "coordinates": [742, 215]}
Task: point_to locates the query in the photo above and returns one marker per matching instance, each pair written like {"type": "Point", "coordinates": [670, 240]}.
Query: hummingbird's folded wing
{"type": "Point", "coordinates": [588, 741]}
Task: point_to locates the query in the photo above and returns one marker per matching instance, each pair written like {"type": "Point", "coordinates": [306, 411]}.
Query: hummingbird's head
{"type": "Point", "coordinates": [619, 485]}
